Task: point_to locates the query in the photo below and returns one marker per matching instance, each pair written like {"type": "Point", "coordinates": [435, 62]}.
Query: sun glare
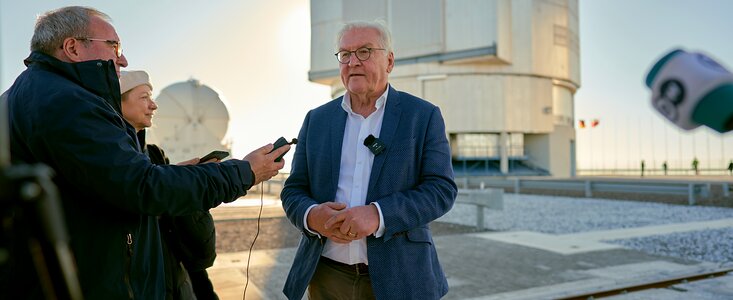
{"type": "Point", "coordinates": [294, 34]}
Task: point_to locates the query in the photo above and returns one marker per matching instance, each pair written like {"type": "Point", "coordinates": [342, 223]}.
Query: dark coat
{"type": "Point", "coordinates": [189, 245]}
{"type": "Point", "coordinates": [68, 116]}
{"type": "Point", "coordinates": [412, 181]}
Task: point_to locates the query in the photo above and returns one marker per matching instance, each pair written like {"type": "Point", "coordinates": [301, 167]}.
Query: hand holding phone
{"type": "Point", "coordinates": [216, 154]}
{"type": "Point", "coordinates": [282, 142]}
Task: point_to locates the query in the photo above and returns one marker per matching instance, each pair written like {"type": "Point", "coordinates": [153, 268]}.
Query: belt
{"type": "Point", "coordinates": [357, 269]}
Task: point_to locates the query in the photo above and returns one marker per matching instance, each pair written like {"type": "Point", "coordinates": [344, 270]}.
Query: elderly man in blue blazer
{"type": "Point", "coordinates": [371, 170]}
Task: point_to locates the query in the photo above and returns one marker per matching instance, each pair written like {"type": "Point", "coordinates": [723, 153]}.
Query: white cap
{"type": "Point", "coordinates": [132, 79]}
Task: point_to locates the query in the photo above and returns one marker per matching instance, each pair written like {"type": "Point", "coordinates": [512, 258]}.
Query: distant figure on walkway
{"type": "Point", "coordinates": [730, 167]}
{"type": "Point", "coordinates": [695, 164]}
{"type": "Point", "coordinates": [642, 168]}
{"type": "Point", "coordinates": [664, 167]}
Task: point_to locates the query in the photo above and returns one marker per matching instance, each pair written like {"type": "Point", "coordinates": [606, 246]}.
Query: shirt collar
{"type": "Point", "coordinates": [346, 101]}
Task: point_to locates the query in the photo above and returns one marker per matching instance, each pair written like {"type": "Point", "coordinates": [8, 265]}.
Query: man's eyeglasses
{"type": "Point", "coordinates": [115, 44]}
{"type": "Point", "coordinates": [362, 54]}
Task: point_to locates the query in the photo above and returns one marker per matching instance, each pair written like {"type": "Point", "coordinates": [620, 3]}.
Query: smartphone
{"type": "Point", "coordinates": [214, 154]}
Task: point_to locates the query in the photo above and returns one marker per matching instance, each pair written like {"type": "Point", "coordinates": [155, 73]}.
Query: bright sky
{"type": "Point", "coordinates": [256, 54]}
{"type": "Point", "coordinates": [619, 41]}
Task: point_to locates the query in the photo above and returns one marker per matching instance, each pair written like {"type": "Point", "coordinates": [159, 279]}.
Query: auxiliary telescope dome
{"type": "Point", "coordinates": [191, 121]}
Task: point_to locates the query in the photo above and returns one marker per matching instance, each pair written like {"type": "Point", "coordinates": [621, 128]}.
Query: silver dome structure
{"type": "Point", "coordinates": [191, 121]}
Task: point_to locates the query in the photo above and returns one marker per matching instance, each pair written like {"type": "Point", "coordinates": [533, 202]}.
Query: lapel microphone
{"type": "Point", "coordinates": [375, 145]}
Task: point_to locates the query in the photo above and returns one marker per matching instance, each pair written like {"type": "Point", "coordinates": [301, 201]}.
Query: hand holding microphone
{"type": "Point", "coordinates": [691, 89]}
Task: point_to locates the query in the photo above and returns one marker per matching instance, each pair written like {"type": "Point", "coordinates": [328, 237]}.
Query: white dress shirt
{"type": "Point", "coordinates": [354, 173]}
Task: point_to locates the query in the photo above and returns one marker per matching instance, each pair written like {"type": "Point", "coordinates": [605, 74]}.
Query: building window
{"type": "Point", "coordinates": [485, 145]}
{"type": "Point", "coordinates": [475, 145]}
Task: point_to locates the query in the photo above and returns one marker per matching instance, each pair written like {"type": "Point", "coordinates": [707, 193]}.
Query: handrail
{"type": "Point", "coordinates": [693, 189]}
{"type": "Point", "coordinates": [481, 199]}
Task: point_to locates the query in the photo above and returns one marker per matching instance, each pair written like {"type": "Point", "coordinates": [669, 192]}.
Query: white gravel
{"type": "Point", "coordinates": [704, 245]}
{"type": "Point", "coordinates": [563, 215]}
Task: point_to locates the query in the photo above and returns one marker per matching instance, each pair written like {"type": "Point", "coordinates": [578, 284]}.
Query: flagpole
{"type": "Point", "coordinates": [651, 133]}
{"type": "Point", "coordinates": [603, 145]}
{"type": "Point", "coordinates": [666, 149]}
{"type": "Point", "coordinates": [629, 165]}
{"type": "Point", "coordinates": [707, 145]}
{"type": "Point", "coordinates": [641, 158]}
{"type": "Point", "coordinates": [615, 151]}
{"type": "Point", "coordinates": [679, 140]}
{"type": "Point", "coordinates": [722, 151]}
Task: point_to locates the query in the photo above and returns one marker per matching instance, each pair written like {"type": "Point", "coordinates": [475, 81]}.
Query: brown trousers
{"type": "Point", "coordinates": [337, 281]}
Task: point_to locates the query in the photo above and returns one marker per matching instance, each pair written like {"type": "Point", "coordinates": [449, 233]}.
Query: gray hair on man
{"type": "Point", "coordinates": [53, 27]}
{"type": "Point", "coordinates": [385, 37]}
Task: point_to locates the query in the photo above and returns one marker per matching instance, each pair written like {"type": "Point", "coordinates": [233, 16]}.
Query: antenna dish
{"type": "Point", "coordinates": [191, 120]}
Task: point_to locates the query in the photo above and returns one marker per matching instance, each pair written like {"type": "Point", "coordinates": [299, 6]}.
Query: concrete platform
{"type": "Point", "coordinates": [494, 265]}
{"type": "Point", "coordinates": [248, 208]}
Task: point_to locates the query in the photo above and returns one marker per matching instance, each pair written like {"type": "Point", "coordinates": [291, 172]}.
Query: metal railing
{"type": "Point", "coordinates": [653, 172]}
{"type": "Point", "coordinates": [482, 199]}
{"type": "Point", "coordinates": [693, 189]}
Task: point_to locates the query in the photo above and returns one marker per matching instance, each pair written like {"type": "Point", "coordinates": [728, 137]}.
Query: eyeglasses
{"type": "Point", "coordinates": [362, 54]}
{"type": "Point", "coordinates": [115, 44]}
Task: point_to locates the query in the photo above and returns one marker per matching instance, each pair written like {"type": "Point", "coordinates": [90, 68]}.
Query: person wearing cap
{"type": "Point", "coordinates": [65, 112]}
{"type": "Point", "coordinates": [189, 242]}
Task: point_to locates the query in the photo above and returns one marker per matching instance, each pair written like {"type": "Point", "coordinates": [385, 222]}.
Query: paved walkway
{"type": "Point", "coordinates": [499, 265]}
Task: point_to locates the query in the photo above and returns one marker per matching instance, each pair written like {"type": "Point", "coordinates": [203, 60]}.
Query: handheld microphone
{"type": "Point", "coordinates": [282, 142]}
{"type": "Point", "coordinates": [691, 89]}
{"type": "Point", "coordinates": [375, 145]}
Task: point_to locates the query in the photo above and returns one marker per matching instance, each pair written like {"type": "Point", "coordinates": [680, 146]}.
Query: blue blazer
{"type": "Point", "coordinates": [412, 180]}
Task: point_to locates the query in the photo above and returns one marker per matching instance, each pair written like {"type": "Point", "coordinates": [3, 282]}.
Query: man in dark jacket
{"type": "Point", "coordinates": [64, 111]}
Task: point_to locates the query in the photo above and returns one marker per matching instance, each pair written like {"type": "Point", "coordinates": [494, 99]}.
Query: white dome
{"type": "Point", "coordinates": [191, 121]}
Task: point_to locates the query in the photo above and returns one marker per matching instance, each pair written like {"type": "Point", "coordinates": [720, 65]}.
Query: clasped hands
{"type": "Point", "coordinates": [343, 225]}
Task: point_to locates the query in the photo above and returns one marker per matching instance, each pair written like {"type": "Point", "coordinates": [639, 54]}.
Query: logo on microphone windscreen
{"type": "Point", "coordinates": [672, 94]}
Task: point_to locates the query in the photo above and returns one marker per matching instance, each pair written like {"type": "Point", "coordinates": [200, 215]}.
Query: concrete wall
{"type": "Point", "coordinates": [493, 66]}
{"type": "Point", "coordinates": [552, 151]}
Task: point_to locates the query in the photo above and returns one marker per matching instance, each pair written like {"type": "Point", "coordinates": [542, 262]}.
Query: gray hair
{"type": "Point", "coordinates": [385, 37]}
{"type": "Point", "coordinates": [53, 27]}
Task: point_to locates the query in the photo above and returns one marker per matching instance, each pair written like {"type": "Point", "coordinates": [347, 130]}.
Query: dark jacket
{"type": "Point", "coordinates": [189, 245]}
{"type": "Point", "coordinates": [412, 181]}
{"type": "Point", "coordinates": [68, 116]}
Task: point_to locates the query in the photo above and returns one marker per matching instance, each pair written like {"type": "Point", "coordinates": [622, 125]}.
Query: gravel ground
{"type": "Point", "coordinates": [233, 236]}
{"type": "Point", "coordinates": [546, 214]}
{"type": "Point", "coordinates": [706, 245]}
{"type": "Point", "coordinates": [715, 198]}
{"type": "Point", "coordinates": [563, 215]}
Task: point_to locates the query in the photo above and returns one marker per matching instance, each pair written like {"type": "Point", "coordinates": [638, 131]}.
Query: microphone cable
{"type": "Point", "coordinates": [257, 233]}
{"type": "Point", "coordinates": [278, 143]}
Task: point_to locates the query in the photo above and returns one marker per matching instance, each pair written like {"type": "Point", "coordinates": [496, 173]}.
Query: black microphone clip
{"type": "Point", "coordinates": [375, 145]}
{"type": "Point", "coordinates": [282, 142]}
